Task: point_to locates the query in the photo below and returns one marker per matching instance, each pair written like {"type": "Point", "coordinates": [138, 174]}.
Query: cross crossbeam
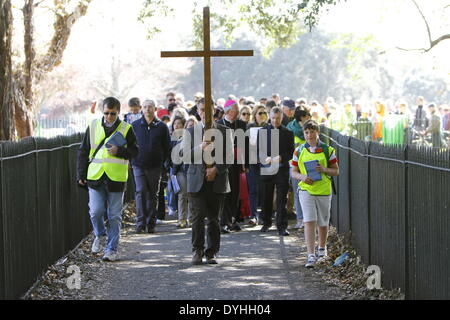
{"type": "Point", "coordinates": [207, 54]}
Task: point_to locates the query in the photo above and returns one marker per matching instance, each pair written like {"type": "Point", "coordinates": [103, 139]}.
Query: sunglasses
{"type": "Point", "coordinates": [172, 100]}
{"type": "Point", "coordinates": [262, 113]}
{"type": "Point", "coordinates": [245, 114]}
{"type": "Point", "coordinates": [110, 113]}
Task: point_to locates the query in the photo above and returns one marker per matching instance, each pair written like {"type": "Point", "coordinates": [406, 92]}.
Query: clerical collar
{"type": "Point", "coordinates": [229, 121]}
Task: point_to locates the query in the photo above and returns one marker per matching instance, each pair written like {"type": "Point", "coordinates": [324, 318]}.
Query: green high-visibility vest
{"type": "Point", "coordinates": [115, 168]}
{"type": "Point", "coordinates": [318, 188]}
{"type": "Point", "coordinates": [298, 142]}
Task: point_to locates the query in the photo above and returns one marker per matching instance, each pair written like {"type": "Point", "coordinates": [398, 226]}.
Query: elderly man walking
{"type": "Point", "coordinates": [103, 168]}
{"type": "Point", "coordinates": [154, 144]}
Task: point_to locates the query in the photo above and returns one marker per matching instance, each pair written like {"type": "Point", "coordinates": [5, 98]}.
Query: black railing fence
{"type": "Point", "coordinates": [395, 204]}
{"type": "Point", "coordinates": [43, 214]}
{"type": "Point", "coordinates": [394, 201]}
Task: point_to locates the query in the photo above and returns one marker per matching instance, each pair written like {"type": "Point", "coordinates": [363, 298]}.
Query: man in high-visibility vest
{"type": "Point", "coordinates": [103, 168]}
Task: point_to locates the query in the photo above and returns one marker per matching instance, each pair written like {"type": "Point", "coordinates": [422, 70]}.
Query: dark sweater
{"type": "Point", "coordinates": [154, 143]}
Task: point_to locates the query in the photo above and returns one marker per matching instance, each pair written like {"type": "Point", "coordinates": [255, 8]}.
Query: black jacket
{"type": "Point", "coordinates": [126, 153]}
{"type": "Point", "coordinates": [285, 144]}
{"type": "Point", "coordinates": [238, 124]}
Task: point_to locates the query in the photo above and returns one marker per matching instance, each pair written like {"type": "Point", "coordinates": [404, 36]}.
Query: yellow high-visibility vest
{"type": "Point", "coordinates": [115, 168]}
{"type": "Point", "coordinates": [318, 188]}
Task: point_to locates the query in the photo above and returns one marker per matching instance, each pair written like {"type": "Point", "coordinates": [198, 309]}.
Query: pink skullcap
{"type": "Point", "coordinates": [227, 106]}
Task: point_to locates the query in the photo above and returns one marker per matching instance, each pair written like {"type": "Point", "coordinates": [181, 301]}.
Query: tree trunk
{"type": "Point", "coordinates": [7, 127]}
{"type": "Point", "coordinates": [24, 104]}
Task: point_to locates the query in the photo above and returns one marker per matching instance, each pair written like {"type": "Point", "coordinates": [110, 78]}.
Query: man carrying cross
{"type": "Point", "coordinates": [207, 184]}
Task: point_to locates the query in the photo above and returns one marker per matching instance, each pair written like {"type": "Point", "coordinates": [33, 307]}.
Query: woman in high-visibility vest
{"type": "Point", "coordinates": [314, 163]}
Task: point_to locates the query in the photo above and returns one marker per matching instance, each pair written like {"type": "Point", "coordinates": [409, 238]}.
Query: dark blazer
{"type": "Point", "coordinates": [196, 172]}
{"type": "Point", "coordinates": [285, 144]}
{"type": "Point", "coordinates": [238, 124]}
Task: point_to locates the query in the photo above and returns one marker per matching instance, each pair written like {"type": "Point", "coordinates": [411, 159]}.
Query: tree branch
{"type": "Point", "coordinates": [433, 43]}
{"type": "Point", "coordinates": [424, 19]}
{"type": "Point", "coordinates": [62, 26]}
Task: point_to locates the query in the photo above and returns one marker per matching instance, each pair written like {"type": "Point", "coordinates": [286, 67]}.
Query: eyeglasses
{"type": "Point", "coordinates": [262, 113]}
{"type": "Point", "coordinates": [110, 113]}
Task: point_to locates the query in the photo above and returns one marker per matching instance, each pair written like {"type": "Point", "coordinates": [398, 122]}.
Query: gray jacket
{"type": "Point", "coordinates": [196, 171]}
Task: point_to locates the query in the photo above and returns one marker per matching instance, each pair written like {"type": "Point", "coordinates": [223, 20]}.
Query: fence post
{"type": "Point", "coordinates": [405, 165]}
{"type": "Point", "coordinates": [2, 247]}
{"type": "Point", "coordinates": [369, 174]}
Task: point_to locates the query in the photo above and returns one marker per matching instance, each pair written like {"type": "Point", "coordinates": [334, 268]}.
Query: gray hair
{"type": "Point", "coordinates": [150, 101]}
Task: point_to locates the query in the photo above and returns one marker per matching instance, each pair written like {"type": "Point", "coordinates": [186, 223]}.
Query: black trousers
{"type": "Point", "coordinates": [147, 183]}
{"type": "Point", "coordinates": [231, 207]}
{"type": "Point", "coordinates": [281, 182]}
{"type": "Point", "coordinates": [209, 205]}
{"type": "Point", "coordinates": [161, 211]}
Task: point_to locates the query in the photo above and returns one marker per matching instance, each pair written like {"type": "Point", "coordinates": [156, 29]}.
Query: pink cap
{"type": "Point", "coordinates": [227, 106]}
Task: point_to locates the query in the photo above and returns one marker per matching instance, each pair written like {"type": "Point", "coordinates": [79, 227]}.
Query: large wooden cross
{"type": "Point", "coordinates": [207, 53]}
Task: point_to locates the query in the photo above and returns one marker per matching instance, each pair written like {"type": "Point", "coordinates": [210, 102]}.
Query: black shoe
{"type": "Point", "coordinates": [211, 260]}
{"type": "Point", "coordinates": [265, 229]}
{"type": "Point", "coordinates": [235, 227]}
{"type": "Point", "coordinates": [197, 258]}
{"type": "Point", "coordinates": [284, 233]}
{"type": "Point", "coordinates": [224, 230]}
{"type": "Point", "coordinates": [140, 229]}
{"type": "Point", "coordinates": [151, 229]}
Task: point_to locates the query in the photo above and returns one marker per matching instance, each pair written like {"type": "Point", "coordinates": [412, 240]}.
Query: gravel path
{"type": "Point", "coordinates": [252, 266]}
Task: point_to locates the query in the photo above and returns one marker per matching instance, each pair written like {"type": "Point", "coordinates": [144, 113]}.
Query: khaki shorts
{"type": "Point", "coordinates": [315, 208]}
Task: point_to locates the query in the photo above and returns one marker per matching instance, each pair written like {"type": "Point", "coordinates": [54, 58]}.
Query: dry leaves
{"type": "Point", "coordinates": [351, 275]}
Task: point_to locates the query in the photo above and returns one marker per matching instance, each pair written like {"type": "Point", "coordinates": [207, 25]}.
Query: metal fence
{"type": "Point", "coordinates": [43, 213]}
{"type": "Point", "coordinates": [64, 126]}
{"type": "Point", "coordinates": [395, 204]}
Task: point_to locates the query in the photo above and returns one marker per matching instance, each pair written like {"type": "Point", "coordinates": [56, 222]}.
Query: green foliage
{"type": "Point", "coordinates": [152, 9]}
{"type": "Point", "coordinates": [277, 23]}
{"type": "Point", "coordinates": [311, 67]}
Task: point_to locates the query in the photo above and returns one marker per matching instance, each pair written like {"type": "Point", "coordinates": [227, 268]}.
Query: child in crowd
{"type": "Point", "coordinates": [315, 190]}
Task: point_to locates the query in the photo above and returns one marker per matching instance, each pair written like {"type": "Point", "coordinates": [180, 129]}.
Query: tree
{"type": "Point", "coordinates": [17, 87]}
{"type": "Point", "coordinates": [317, 66]}
{"type": "Point", "coordinates": [278, 23]}
{"type": "Point", "coordinates": [6, 110]}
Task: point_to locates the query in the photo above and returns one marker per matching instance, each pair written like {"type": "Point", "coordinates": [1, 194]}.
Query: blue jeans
{"type": "Point", "coordinates": [298, 207]}
{"type": "Point", "coordinates": [172, 198]}
{"type": "Point", "coordinates": [102, 201]}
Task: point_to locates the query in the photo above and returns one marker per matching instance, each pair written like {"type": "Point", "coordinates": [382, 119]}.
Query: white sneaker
{"type": "Point", "coordinates": [110, 256]}
{"type": "Point", "coordinates": [96, 245]}
{"type": "Point", "coordinates": [172, 213]}
{"type": "Point", "coordinates": [311, 261]}
{"type": "Point", "coordinates": [299, 225]}
{"type": "Point", "coordinates": [322, 253]}
{"type": "Point", "coordinates": [159, 221]}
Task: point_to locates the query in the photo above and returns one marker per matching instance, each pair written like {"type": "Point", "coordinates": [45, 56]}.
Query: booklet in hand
{"type": "Point", "coordinates": [117, 139]}
{"type": "Point", "coordinates": [310, 167]}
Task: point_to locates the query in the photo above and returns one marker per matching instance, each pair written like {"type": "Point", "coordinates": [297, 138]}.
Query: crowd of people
{"type": "Point", "coordinates": [234, 192]}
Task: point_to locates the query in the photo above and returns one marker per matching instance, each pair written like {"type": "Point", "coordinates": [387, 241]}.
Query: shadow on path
{"type": "Point", "coordinates": [252, 266]}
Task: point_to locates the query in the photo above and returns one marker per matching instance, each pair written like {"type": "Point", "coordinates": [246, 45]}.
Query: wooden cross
{"type": "Point", "coordinates": [207, 53]}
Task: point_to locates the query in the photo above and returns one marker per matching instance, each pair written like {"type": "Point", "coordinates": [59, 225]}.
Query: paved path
{"type": "Point", "coordinates": [252, 266]}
